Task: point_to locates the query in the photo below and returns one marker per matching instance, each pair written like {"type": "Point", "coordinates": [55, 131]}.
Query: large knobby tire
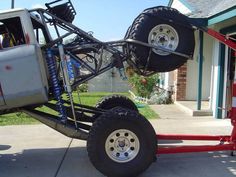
{"type": "Point", "coordinates": [164, 27]}
{"type": "Point", "coordinates": [121, 143]}
{"type": "Point", "coordinates": [113, 101]}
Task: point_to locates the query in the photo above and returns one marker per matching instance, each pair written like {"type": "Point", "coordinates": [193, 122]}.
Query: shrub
{"type": "Point", "coordinates": [143, 86]}
{"type": "Point", "coordinates": [83, 87]}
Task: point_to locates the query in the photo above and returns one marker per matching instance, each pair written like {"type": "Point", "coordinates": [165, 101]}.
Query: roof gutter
{"type": "Point", "coordinates": [217, 18]}
{"type": "Point", "coordinates": [222, 16]}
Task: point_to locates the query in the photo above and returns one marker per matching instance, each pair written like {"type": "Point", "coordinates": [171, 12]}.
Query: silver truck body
{"type": "Point", "coordinates": [23, 78]}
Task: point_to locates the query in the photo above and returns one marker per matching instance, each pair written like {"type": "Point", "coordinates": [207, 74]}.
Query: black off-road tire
{"type": "Point", "coordinates": [143, 25]}
{"type": "Point", "coordinates": [113, 101]}
{"type": "Point", "coordinates": [121, 119]}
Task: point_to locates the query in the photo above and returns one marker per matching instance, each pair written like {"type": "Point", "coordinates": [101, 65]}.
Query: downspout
{"type": "Point", "coordinates": [170, 3]}
{"type": "Point", "coordinates": [200, 70]}
{"type": "Point", "coordinates": [220, 82]}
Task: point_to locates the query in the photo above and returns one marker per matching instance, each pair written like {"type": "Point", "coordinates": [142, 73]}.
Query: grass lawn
{"type": "Point", "coordinates": [86, 98]}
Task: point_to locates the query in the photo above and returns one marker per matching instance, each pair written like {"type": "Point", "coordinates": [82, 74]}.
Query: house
{"type": "Point", "coordinates": [109, 81]}
{"type": "Point", "coordinates": [207, 78]}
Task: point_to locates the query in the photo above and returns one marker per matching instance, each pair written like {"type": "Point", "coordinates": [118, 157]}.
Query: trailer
{"type": "Point", "coordinates": [39, 70]}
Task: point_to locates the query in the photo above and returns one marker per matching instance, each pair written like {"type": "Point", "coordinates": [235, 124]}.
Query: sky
{"type": "Point", "coordinates": [107, 19]}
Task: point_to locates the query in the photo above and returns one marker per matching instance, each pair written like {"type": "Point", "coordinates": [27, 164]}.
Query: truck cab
{"type": "Point", "coordinates": [23, 70]}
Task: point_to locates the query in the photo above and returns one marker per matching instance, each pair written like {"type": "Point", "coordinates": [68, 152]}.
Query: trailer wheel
{"type": "Point", "coordinates": [121, 143]}
{"type": "Point", "coordinates": [164, 27]}
{"type": "Point", "coordinates": [113, 101]}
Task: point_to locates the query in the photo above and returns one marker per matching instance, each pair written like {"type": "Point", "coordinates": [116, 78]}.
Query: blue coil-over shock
{"type": "Point", "coordinates": [70, 69]}
{"type": "Point", "coordinates": [55, 84]}
{"type": "Point", "coordinates": [73, 67]}
{"type": "Point", "coordinates": [68, 78]}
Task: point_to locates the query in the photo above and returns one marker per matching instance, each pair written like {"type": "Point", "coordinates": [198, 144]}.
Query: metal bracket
{"type": "Point", "coordinates": [157, 48]}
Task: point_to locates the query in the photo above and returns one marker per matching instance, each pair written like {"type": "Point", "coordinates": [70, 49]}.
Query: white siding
{"type": "Point", "coordinates": [192, 71]}
{"type": "Point", "coordinates": [192, 80]}
{"type": "Point", "coordinates": [108, 82]}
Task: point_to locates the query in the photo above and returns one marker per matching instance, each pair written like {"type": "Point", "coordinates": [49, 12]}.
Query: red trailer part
{"type": "Point", "coordinates": [225, 143]}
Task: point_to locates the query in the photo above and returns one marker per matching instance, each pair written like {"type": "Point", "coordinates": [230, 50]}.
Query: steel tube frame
{"type": "Point", "coordinates": [194, 137]}
{"type": "Point", "coordinates": [202, 148]}
{"type": "Point", "coordinates": [225, 143]}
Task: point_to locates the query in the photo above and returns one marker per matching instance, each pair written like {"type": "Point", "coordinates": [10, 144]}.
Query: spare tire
{"type": "Point", "coordinates": [164, 27]}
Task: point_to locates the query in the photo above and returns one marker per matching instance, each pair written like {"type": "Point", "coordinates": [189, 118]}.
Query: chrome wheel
{"type": "Point", "coordinates": [122, 146]}
{"type": "Point", "coordinates": [165, 36]}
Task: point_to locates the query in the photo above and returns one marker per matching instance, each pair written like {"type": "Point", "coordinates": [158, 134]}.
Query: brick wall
{"type": "Point", "coordinates": [181, 78]}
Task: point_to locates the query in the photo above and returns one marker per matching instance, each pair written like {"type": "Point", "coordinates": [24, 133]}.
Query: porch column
{"type": "Point", "coordinates": [12, 4]}
{"type": "Point", "coordinates": [200, 70]}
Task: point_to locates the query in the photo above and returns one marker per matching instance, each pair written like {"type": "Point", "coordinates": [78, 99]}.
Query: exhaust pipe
{"type": "Point", "coordinates": [53, 122]}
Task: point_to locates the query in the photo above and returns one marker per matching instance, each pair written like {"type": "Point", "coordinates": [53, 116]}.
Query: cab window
{"type": "Point", "coordinates": [11, 32]}
{"type": "Point", "coordinates": [40, 31]}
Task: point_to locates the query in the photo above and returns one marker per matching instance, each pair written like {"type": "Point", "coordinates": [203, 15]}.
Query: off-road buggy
{"type": "Point", "coordinates": [39, 71]}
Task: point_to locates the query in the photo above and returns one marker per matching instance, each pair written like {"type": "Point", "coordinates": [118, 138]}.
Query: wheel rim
{"type": "Point", "coordinates": [122, 146]}
{"type": "Point", "coordinates": [165, 36]}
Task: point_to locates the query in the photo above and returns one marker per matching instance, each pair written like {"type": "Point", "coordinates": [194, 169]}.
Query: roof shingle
{"type": "Point", "coordinates": [208, 8]}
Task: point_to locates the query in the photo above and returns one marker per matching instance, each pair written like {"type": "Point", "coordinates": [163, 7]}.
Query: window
{"type": "Point", "coordinates": [11, 33]}
{"type": "Point", "coordinates": [39, 31]}
{"type": "Point", "coordinates": [40, 36]}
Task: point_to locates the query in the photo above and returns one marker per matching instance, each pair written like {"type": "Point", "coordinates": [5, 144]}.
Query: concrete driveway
{"type": "Point", "coordinates": [36, 150]}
